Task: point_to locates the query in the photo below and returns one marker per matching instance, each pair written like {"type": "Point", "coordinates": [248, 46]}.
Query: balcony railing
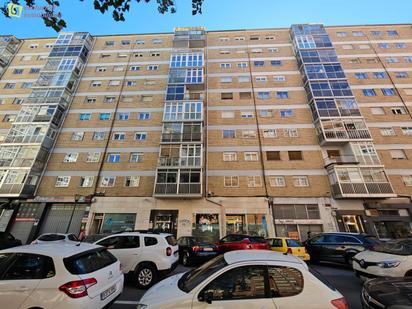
{"type": "Point", "coordinates": [341, 160]}
{"type": "Point", "coordinates": [17, 189]}
{"type": "Point", "coordinates": [339, 136]}
{"type": "Point", "coordinates": [176, 161]}
{"type": "Point", "coordinates": [46, 100]}
{"type": "Point", "coordinates": [369, 189]}
{"type": "Point", "coordinates": [171, 189]}
{"type": "Point", "coordinates": [181, 137]}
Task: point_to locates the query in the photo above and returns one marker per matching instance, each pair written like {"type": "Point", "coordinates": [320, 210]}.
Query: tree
{"type": "Point", "coordinates": [117, 7]}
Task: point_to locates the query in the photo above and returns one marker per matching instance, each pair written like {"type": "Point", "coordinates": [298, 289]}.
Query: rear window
{"type": "Point", "coordinates": [171, 240]}
{"type": "Point", "coordinates": [51, 237]}
{"type": "Point", "coordinates": [257, 239]}
{"type": "Point", "coordinates": [150, 241]}
{"type": "Point", "coordinates": [293, 243]}
{"type": "Point", "coordinates": [88, 262]}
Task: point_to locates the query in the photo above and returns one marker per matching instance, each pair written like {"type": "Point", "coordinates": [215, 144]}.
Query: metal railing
{"type": "Point", "coordinates": [174, 189]}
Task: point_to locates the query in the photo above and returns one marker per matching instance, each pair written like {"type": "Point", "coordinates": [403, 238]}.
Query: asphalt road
{"type": "Point", "coordinates": [339, 276]}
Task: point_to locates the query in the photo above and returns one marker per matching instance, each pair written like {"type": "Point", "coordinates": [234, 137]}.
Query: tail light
{"type": "Point", "coordinates": [78, 288]}
{"type": "Point", "coordinates": [169, 251]}
{"type": "Point", "coordinates": [340, 303]}
{"type": "Point", "coordinates": [196, 249]}
{"type": "Point", "coordinates": [289, 251]}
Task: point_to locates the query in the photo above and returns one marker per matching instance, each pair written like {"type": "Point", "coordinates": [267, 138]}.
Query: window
{"type": "Point", "coordinates": [391, 60]}
{"type": "Point", "coordinates": [392, 33]}
{"type": "Point", "coordinates": [364, 46]}
{"type": "Point", "coordinates": [229, 156]}
{"type": "Point", "coordinates": [377, 111]}
{"type": "Point", "coordinates": [269, 133]}
{"type": "Point", "coordinates": [276, 63]}
{"type": "Point", "coordinates": [140, 42]}
{"type": "Point", "coordinates": [290, 132]}
{"type": "Point", "coordinates": [407, 59]}
{"type": "Point", "coordinates": [226, 95]}
{"type": "Point", "coordinates": [26, 85]}
{"type": "Point", "coordinates": [109, 43]}
{"type": "Point", "coordinates": [264, 113]}
{"type": "Point", "coordinates": [244, 282]}
{"type": "Point", "coordinates": [251, 156]}
{"type": "Point", "coordinates": [273, 155]}
{"type": "Point", "coordinates": [77, 136]}
{"type": "Point", "coordinates": [114, 83]}
{"type": "Point", "coordinates": [10, 86]}
{"type": "Point", "coordinates": [113, 158]}
{"type": "Point", "coordinates": [263, 95]}
{"type": "Point", "coordinates": [341, 34]}
{"type": "Point", "coordinates": [379, 75]}
{"type": "Point", "coordinates": [247, 114]}
{"type": "Point", "coordinates": [229, 134]}
{"type": "Point", "coordinates": [29, 267]}
{"type": "Point", "coordinates": [387, 131]}
{"type": "Point", "coordinates": [134, 68]}
{"type": "Point", "coordinates": [284, 281]}
{"type": "Point", "coordinates": [398, 111]}
{"type": "Point", "coordinates": [231, 181]}
{"type": "Point", "coordinates": [140, 136]}
{"type": "Point", "coordinates": [369, 92]}
{"type": "Point", "coordinates": [239, 38]}
{"type": "Point", "coordinates": [99, 136]}
{"type": "Point", "coordinates": [401, 74]}
{"type": "Point", "coordinates": [86, 181]}
{"type": "Point", "coordinates": [388, 91]}
{"type": "Point", "coordinates": [295, 155]}
{"type": "Point", "coordinates": [277, 181]}
{"type": "Point", "coordinates": [90, 100]}
{"type": "Point", "coordinates": [125, 42]}
{"type": "Point", "coordinates": [254, 38]}
{"type": "Point", "coordinates": [33, 46]}
{"type": "Point", "coordinates": [131, 83]}
{"type": "Point", "coordinates": [123, 116]}
{"type": "Point", "coordinates": [400, 45]}
{"type": "Point", "coordinates": [286, 113]}
{"type": "Point", "coordinates": [150, 241]}
{"type": "Point", "coordinates": [300, 181]}
{"type": "Point", "coordinates": [245, 95]}
{"type": "Point", "coordinates": [225, 65]}
{"type": "Point", "coordinates": [85, 116]}
{"type": "Point", "coordinates": [258, 63]}
{"type": "Point", "coordinates": [157, 41]}
{"type": "Point", "coordinates": [358, 33]}
{"type": "Point", "coordinates": [70, 157]}
{"type": "Point", "coordinates": [406, 130]}
{"type": "Point", "coordinates": [121, 55]}
{"type": "Point", "coordinates": [108, 181]}
{"type": "Point", "coordinates": [279, 78]}
{"type": "Point", "coordinates": [249, 134]}
{"type": "Point", "coordinates": [93, 157]}
{"type": "Point", "coordinates": [9, 118]}
{"type": "Point", "coordinates": [155, 54]}
{"type": "Point", "coordinates": [95, 84]}
{"type": "Point", "coordinates": [109, 99]}
{"type": "Point", "coordinates": [104, 116]}
{"type": "Point", "coordinates": [273, 49]}
{"type": "Point", "coordinates": [376, 33]}
{"type": "Point", "coordinates": [119, 136]}
{"type": "Point", "coordinates": [407, 180]}
{"type": "Point", "coordinates": [226, 79]}
{"type": "Point", "coordinates": [261, 79]}
{"type": "Point", "coordinates": [26, 58]}
{"type": "Point", "coordinates": [254, 181]}
{"type": "Point", "coordinates": [242, 65]}
{"type": "Point", "coordinates": [153, 67]}
{"type": "Point", "coordinates": [136, 157]}
{"type": "Point", "coordinates": [282, 94]}
{"type": "Point", "coordinates": [361, 75]}
{"type": "Point", "coordinates": [62, 181]}
{"type": "Point", "coordinates": [227, 114]}
{"type": "Point", "coordinates": [383, 45]}
{"type": "Point", "coordinates": [144, 116]}
{"type": "Point", "coordinates": [398, 154]}
{"type": "Point", "coordinates": [132, 181]}
{"type": "Point", "coordinates": [243, 79]}
{"type": "Point", "coordinates": [256, 50]}
{"type": "Point", "coordinates": [18, 71]}
{"type": "Point", "coordinates": [224, 52]}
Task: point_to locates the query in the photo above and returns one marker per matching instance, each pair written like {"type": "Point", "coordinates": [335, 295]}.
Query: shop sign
{"type": "Point", "coordinates": [293, 235]}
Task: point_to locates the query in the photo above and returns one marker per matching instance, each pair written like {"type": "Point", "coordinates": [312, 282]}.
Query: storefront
{"type": "Point", "coordinates": [164, 220]}
{"type": "Point", "coordinates": [352, 221]}
{"type": "Point", "coordinates": [206, 226]}
{"type": "Point", "coordinates": [250, 224]}
{"type": "Point", "coordinates": [113, 223]}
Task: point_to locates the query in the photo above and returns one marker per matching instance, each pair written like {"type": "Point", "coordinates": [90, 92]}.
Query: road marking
{"type": "Point", "coordinates": [126, 302]}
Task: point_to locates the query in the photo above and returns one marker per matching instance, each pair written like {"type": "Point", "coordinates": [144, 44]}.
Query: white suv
{"type": "Point", "coordinates": [146, 256]}
{"type": "Point", "coordinates": [59, 276]}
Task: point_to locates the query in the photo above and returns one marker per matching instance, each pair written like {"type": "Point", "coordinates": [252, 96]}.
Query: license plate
{"type": "Point", "coordinates": [207, 249]}
{"type": "Point", "coordinates": [108, 292]}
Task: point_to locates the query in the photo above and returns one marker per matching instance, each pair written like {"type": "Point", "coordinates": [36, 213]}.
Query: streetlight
{"type": "Point", "coordinates": [76, 199]}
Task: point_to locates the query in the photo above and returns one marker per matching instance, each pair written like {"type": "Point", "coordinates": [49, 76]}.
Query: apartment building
{"type": "Point", "coordinates": [195, 132]}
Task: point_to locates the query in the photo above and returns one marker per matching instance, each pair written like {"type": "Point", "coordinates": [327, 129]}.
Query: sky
{"type": "Point", "coordinates": [217, 15]}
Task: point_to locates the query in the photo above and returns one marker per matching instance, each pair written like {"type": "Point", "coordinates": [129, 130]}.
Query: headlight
{"type": "Point", "coordinates": [389, 264]}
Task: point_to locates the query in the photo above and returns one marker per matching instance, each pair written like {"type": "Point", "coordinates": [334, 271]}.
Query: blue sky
{"type": "Point", "coordinates": [217, 15]}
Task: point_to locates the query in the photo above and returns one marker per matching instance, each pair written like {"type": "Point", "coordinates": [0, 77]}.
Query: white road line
{"type": "Point", "coordinates": [125, 302]}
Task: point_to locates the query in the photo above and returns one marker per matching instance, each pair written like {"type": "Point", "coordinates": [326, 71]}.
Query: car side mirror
{"type": "Point", "coordinates": [208, 297]}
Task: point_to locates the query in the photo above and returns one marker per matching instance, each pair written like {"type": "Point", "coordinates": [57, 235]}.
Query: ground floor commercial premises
{"type": "Point", "coordinates": [211, 218]}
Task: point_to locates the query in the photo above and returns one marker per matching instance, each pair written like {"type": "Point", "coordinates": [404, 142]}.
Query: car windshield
{"type": "Point", "coordinates": [293, 243]}
{"type": "Point", "coordinates": [51, 237]}
{"type": "Point", "coordinates": [192, 278]}
{"type": "Point", "coordinates": [401, 247]}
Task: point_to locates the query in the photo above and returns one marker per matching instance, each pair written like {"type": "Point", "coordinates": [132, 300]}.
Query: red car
{"type": "Point", "coordinates": [241, 242]}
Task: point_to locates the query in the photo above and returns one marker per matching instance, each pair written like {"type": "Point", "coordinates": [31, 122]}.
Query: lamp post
{"type": "Point", "coordinates": [76, 199]}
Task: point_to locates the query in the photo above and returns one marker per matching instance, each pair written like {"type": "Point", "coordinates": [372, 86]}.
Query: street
{"type": "Point", "coordinates": [340, 276]}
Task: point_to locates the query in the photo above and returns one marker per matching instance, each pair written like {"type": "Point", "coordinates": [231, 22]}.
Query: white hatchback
{"type": "Point", "coordinates": [388, 259]}
{"type": "Point", "coordinates": [243, 280]}
{"type": "Point", "coordinates": [55, 237]}
{"type": "Point", "coordinates": [59, 276]}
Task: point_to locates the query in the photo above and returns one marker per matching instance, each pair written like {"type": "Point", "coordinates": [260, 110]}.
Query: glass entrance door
{"type": "Point", "coordinates": [164, 221]}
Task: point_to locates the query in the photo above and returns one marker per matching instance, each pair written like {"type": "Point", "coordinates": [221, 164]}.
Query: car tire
{"type": "Point", "coordinates": [349, 258]}
{"type": "Point", "coordinates": [408, 273]}
{"type": "Point", "coordinates": [145, 276]}
{"type": "Point", "coordinates": [186, 259]}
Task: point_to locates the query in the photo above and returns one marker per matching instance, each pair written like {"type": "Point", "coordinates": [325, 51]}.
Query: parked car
{"type": "Point", "coordinates": [61, 275]}
{"type": "Point", "coordinates": [53, 237]}
{"type": "Point", "coordinates": [338, 247]}
{"type": "Point", "coordinates": [387, 293]}
{"type": "Point", "coordinates": [145, 256]}
{"type": "Point", "coordinates": [8, 241]}
{"type": "Point", "coordinates": [245, 279]}
{"type": "Point", "coordinates": [288, 245]}
{"type": "Point", "coordinates": [194, 249]}
{"type": "Point", "coordinates": [233, 242]}
{"type": "Point", "coordinates": [390, 259]}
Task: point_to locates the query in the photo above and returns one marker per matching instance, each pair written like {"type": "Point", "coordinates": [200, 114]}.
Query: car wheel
{"type": "Point", "coordinates": [145, 276]}
{"type": "Point", "coordinates": [349, 258]}
{"type": "Point", "coordinates": [186, 259]}
{"type": "Point", "coordinates": [408, 273]}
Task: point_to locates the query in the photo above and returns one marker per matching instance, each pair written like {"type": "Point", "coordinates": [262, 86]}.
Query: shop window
{"type": "Point", "coordinates": [206, 226]}
{"type": "Point", "coordinates": [118, 223]}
